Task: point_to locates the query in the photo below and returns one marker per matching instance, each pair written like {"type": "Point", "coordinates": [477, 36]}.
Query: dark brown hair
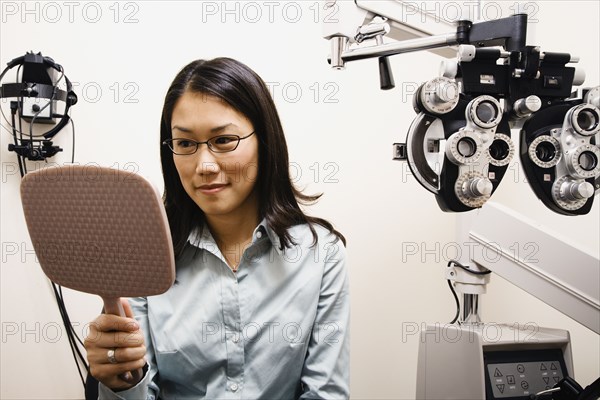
{"type": "Point", "coordinates": [241, 88]}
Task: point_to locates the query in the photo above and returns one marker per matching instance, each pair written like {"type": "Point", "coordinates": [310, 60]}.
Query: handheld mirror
{"type": "Point", "coordinates": [99, 230]}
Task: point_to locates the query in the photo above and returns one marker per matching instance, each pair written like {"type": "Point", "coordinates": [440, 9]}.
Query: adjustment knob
{"type": "Point", "coordinates": [448, 69]}
{"type": "Point", "coordinates": [466, 53]}
{"type": "Point", "coordinates": [446, 92]}
{"type": "Point", "coordinates": [570, 191]}
{"type": "Point", "coordinates": [478, 187]}
{"type": "Point", "coordinates": [528, 105]}
{"type": "Point", "coordinates": [437, 96]}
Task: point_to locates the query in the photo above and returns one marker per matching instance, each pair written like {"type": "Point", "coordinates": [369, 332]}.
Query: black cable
{"type": "Point", "coordinates": [67, 323]}
{"type": "Point", "coordinates": [67, 316]}
{"type": "Point", "coordinates": [60, 308]}
{"type": "Point", "coordinates": [21, 134]}
{"type": "Point", "coordinates": [457, 302]}
{"type": "Point", "coordinates": [73, 148]}
{"type": "Point", "coordinates": [19, 105]}
{"type": "Point", "coordinates": [13, 112]}
{"type": "Point", "coordinates": [71, 331]}
{"type": "Point", "coordinates": [64, 315]}
{"type": "Point", "coordinates": [467, 269]}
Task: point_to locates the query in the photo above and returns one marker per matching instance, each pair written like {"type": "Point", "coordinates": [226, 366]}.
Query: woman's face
{"type": "Point", "coordinates": [221, 184]}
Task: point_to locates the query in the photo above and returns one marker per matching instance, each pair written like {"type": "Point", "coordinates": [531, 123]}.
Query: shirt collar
{"type": "Point", "coordinates": [203, 239]}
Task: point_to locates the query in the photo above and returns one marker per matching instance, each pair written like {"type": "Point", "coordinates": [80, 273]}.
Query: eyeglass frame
{"type": "Point", "coordinates": [169, 142]}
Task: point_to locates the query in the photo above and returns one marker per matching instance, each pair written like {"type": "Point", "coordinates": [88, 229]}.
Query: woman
{"type": "Point", "coordinates": [260, 305]}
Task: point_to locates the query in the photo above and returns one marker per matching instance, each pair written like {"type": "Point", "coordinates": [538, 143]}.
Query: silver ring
{"type": "Point", "coordinates": [111, 356]}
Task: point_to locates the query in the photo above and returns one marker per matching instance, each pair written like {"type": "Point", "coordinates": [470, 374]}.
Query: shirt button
{"type": "Point", "coordinates": [235, 339]}
{"type": "Point", "coordinates": [233, 387]}
{"type": "Point", "coordinates": [258, 234]}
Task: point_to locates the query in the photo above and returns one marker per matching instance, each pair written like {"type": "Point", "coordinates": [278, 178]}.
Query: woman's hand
{"type": "Point", "coordinates": [115, 349]}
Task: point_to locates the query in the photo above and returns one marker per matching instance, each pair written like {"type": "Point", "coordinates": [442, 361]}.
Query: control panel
{"type": "Point", "coordinates": [517, 375]}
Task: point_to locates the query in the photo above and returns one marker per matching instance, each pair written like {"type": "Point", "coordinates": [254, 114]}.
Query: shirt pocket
{"type": "Point", "coordinates": [164, 343]}
{"type": "Point", "coordinates": [161, 319]}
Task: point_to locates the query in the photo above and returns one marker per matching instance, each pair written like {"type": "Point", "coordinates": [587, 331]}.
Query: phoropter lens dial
{"type": "Point", "coordinates": [501, 151]}
{"type": "Point", "coordinates": [484, 111]}
{"type": "Point", "coordinates": [544, 151]}
{"type": "Point", "coordinates": [585, 120]}
{"type": "Point", "coordinates": [464, 147]}
{"type": "Point", "coordinates": [582, 163]}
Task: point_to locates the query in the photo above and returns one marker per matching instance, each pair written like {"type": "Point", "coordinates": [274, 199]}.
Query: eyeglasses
{"type": "Point", "coordinates": [217, 144]}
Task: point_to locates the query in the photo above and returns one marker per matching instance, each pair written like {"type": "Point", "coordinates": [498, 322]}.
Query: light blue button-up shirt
{"type": "Point", "coordinates": [275, 329]}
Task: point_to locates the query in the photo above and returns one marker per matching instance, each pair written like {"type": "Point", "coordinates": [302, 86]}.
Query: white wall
{"type": "Point", "coordinates": [344, 131]}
